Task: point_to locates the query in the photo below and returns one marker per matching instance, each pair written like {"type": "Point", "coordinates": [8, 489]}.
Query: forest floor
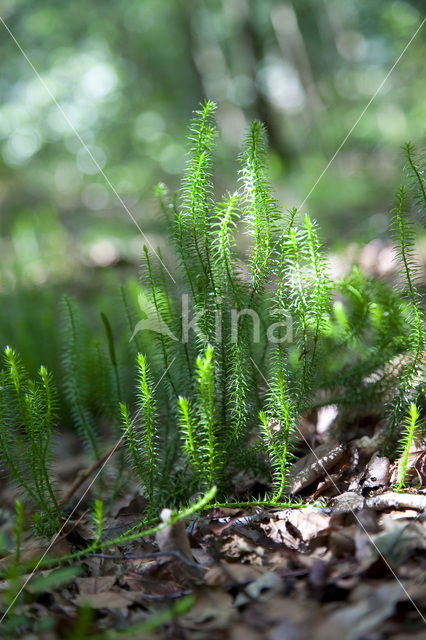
{"type": "Point", "coordinates": [350, 564]}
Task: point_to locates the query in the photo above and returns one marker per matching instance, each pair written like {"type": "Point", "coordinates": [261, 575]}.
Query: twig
{"type": "Point", "coordinates": [147, 556]}
{"type": "Point", "coordinates": [166, 596]}
{"type": "Point", "coordinates": [83, 477]}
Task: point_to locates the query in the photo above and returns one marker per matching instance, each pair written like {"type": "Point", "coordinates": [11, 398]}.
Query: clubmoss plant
{"type": "Point", "coordinates": [200, 428]}
{"type": "Point", "coordinates": [27, 419]}
{"type": "Point", "coordinates": [230, 356]}
{"type": "Point", "coordinates": [416, 172]}
{"type": "Point", "coordinates": [18, 528]}
{"type": "Point", "coordinates": [244, 315]}
{"type": "Point", "coordinates": [142, 434]}
{"type": "Point", "coordinates": [411, 372]}
{"type": "Point", "coordinates": [76, 359]}
{"type": "Point", "coordinates": [411, 428]}
{"type": "Point", "coordinates": [98, 518]}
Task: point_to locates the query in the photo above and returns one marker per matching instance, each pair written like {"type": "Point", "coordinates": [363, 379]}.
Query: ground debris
{"type": "Point", "coordinates": [394, 500]}
{"type": "Point", "coordinates": [350, 564]}
{"type": "Point", "coordinates": [314, 465]}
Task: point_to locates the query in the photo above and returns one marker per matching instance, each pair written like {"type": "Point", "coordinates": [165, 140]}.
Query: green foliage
{"type": "Point", "coordinates": [27, 418]}
{"type": "Point", "coordinates": [411, 374]}
{"type": "Point", "coordinates": [416, 172]}
{"type": "Point", "coordinates": [231, 356]}
{"type": "Point", "coordinates": [92, 375]}
{"type": "Point", "coordinates": [142, 435]}
{"type": "Point", "coordinates": [151, 95]}
{"type": "Point", "coordinates": [113, 368]}
{"type": "Point", "coordinates": [98, 518]}
{"type": "Point", "coordinates": [239, 357]}
{"type": "Point", "coordinates": [260, 210]}
{"type": "Point", "coordinates": [76, 365]}
{"type": "Point", "coordinates": [200, 431]}
{"type": "Point", "coordinates": [410, 428]}
{"type": "Point", "coordinates": [19, 527]}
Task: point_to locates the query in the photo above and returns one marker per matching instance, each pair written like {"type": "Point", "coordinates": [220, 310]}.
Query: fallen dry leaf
{"type": "Point", "coordinates": [293, 527]}
{"type": "Point", "coordinates": [94, 585]}
{"type": "Point", "coordinates": [232, 573]}
{"type": "Point", "coordinates": [399, 541]}
{"type": "Point", "coordinates": [377, 474]}
{"type": "Point", "coordinates": [261, 589]}
{"type": "Point", "coordinates": [420, 466]}
{"type": "Point", "coordinates": [108, 599]}
{"type": "Point", "coordinates": [174, 537]}
{"type": "Point", "coordinates": [313, 466]}
{"type": "Point", "coordinates": [370, 607]}
{"type": "Point", "coordinates": [256, 573]}
{"type": "Point", "coordinates": [213, 610]}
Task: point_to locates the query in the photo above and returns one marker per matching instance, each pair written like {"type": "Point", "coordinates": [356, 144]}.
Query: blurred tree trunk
{"type": "Point", "coordinates": [185, 12]}
{"type": "Point", "coordinates": [255, 42]}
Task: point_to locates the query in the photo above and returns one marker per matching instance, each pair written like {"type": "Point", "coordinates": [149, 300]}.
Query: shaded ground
{"type": "Point", "coordinates": [350, 565]}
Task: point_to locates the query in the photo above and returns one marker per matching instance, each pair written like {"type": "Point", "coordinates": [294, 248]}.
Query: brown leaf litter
{"type": "Point", "coordinates": [349, 564]}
